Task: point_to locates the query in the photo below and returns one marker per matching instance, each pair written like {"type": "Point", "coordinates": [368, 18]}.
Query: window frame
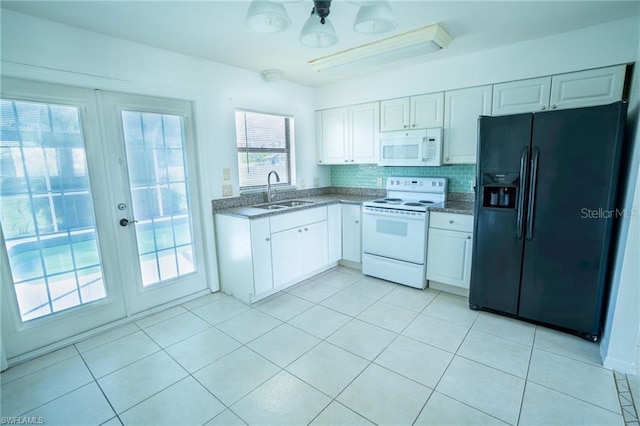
{"type": "Point", "coordinates": [288, 150]}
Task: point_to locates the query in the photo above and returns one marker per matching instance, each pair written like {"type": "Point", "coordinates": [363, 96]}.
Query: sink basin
{"type": "Point", "coordinates": [271, 207]}
{"type": "Point", "coordinates": [294, 203]}
{"type": "Point", "coordinates": [283, 204]}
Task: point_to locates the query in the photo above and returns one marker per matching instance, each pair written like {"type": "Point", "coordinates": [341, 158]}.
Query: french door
{"type": "Point", "coordinates": [98, 209]}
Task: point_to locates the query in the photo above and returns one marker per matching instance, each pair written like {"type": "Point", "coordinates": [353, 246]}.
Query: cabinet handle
{"type": "Point", "coordinates": [357, 221]}
{"type": "Point", "coordinates": [267, 239]}
{"type": "Point", "coordinates": [446, 159]}
{"type": "Point", "coordinates": [543, 107]}
{"type": "Point", "coordinates": [346, 161]}
{"type": "Point", "coordinates": [468, 237]}
{"type": "Point", "coordinates": [352, 160]}
{"type": "Point", "coordinates": [299, 230]}
{"type": "Point", "coordinates": [451, 221]}
{"type": "Point", "coordinates": [319, 161]}
{"type": "Point", "coordinates": [554, 106]}
{"type": "Point", "coordinates": [306, 229]}
{"type": "Point", "coordinates": [413, 125]}
{"type": "Point", "coordinates": [404, 126]}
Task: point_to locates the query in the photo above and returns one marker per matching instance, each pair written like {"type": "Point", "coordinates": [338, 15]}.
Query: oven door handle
{"type": "Point", "coordinates": [417, 216]}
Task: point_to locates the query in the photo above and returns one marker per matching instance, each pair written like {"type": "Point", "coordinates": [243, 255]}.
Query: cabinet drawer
{"type": "Point", "coordinates": [451, 221]}
{"type": "Point", "coordinates": [280, 222]}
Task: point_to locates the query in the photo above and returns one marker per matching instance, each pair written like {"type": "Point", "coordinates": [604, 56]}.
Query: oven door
{"type": "Point", "coordinates": [395, 234]}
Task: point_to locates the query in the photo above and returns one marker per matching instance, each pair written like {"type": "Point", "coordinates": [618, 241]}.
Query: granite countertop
{"type": "Point", "coordinates": [245, 207]}
{"type": "Point", "coordinates": [453, 206]}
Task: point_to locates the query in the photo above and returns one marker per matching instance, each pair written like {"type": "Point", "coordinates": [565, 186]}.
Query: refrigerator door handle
{"type": "Point", "coordinates": [532, 192]}
{"type": "Point", "coordinates": [524, 170]}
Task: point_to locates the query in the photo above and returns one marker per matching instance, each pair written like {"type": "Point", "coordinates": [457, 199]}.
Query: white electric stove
{"type": "Point", "coordinates": [394, 229]}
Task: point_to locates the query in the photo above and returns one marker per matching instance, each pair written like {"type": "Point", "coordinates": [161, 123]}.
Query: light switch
{"type": "Point", "coordinates": [226, 174]}
{"type": "Point", "coordinates": [379, 182]}
{"type": "Point", "coordinates": [302, 183]}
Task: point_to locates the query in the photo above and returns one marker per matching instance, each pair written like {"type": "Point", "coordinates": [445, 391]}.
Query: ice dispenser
{"type": "Point", "coordinates": [500, 190]}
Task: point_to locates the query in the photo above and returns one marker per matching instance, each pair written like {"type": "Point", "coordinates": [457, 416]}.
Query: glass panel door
{"type": "Point", "coordinates": [153, 162]}
{"type": "Point", "coordinates": [158, 185]}
{"type": "Point", "coordinates": [46, 208]}
{"type": "Point", "coordinates": [58, 266]}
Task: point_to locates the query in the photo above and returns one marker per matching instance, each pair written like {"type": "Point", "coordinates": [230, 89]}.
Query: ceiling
{"type": "Point", "coordinates": [216, 30]}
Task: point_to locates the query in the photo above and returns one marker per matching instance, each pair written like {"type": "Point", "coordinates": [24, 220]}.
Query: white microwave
{"type": "Point", "coordinates": [411, 148]}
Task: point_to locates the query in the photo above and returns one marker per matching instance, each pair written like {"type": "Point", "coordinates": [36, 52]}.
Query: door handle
{"type": "Point", "coordinates": [127, 222]}
{"type": "Point", "coordinates": [524, 174]}
{"type": "Point", "coordinates": [532, 192]}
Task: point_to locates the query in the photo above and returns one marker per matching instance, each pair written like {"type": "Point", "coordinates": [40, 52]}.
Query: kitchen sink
{"type": "Point", "coordinates": [294, 203]}
{"type": "Point", "coordinates": [283, 204]}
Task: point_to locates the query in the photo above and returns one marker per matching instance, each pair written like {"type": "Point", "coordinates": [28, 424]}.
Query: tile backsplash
{"type": "Point", "coordinates": [366, 175]}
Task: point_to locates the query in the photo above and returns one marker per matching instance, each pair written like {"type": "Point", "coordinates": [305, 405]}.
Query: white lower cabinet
{"type": "Point", "coordinates": [244, 256]}
{"type": "Point", "coordinates": [351, 233]}
{"type": "Point", "coordinates": [298, 252]}
{"type": "Point", "coordinates": [449, 250]}
{"type": "Point", "coordinates": [258, 257]}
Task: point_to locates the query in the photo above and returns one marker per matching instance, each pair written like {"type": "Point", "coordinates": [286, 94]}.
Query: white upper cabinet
{"type": "Point", "coordinates": [572, 90]}
{"type": "Point", "coordinates": [588, 88]}
{"type": "Point", "coordinates": [461, 111]}
{"type": "Point", "coordinates": [348, 135]}
{"type": "Point", "coordinates": [415, 112]}
{"type": "Point", "coordinates": [394, 114]}
{"type": "Point", "coordinates": [363, 133]}
{"type": "Point", "coordinates": [522, 96]}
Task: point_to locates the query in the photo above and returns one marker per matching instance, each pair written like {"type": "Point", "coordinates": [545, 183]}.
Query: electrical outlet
{"type": "Point", "coordinates": [226, 173]}
{"type": "Point", "coordinates": [227, 190]}
{"type": "Point", "coordinates": [379, 182]}
{"type": "Point", "coordinates": [472, 184]}
{"type": "Point", "coordinates": [302, 183]}
{"type": "Point", "coordinates": [316, 182]}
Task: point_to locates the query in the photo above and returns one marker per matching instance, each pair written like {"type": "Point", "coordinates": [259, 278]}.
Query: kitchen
{"type": "Point", "coordinates": [218, 90]}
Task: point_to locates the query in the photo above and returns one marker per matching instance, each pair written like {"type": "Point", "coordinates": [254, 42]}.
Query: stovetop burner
{"type": "Point", "coordinates": [425, 201]}
{"type": "Point", "coordinates": [414, 204]}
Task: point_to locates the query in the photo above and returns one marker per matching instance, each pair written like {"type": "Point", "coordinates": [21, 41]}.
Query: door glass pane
{"type": "Point", "coordinates": [46, 208]}
{"type": "Point", "coordinates": [158, 181]}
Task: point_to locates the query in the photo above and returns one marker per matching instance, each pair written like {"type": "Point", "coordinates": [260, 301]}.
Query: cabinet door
{"type": "Point", "coordinates": [351, 231]}
{"type": "Point", "coordinates": [587, 88]}
{"type": "Point", "coordinates": [313, 246]}
{"type": "Point", "coordinates": [394, 114]}
{"type": "Point", "coordinates": [261, 255]}
{"type": "Point", "coordinates": [363, 128]}
{"type": "Point", "coordinates": [335, 133]}
{"type": "Point", "coordinates": [286, 256]}
{"type": "Point", "coordinates": [449, 257]}
{"type": "Point", "coordinates": [427, 111]}
{"type": "Point", "coordinates": [334, 232]}
{"type": "Point", "coordinates": [462, 109]}
{"type": "Point", "coordinates": [521, 96]}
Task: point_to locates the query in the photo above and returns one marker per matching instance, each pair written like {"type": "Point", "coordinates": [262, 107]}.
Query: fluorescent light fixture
{"type": "Point", "coordinates": [428, 39]}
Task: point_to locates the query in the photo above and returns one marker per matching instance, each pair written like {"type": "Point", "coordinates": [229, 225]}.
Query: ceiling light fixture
{"type": "Point", "coordinates": [374, 17]}
{"type": "Point", "coordinates": [428, 39]}
{"type": "Point", "coordinates": [266, 16]}
{"type": "Point", "coordinates": [318, 32]}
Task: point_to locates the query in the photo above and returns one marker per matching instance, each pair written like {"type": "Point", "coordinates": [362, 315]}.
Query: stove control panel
{"type": "Point", "coordinates": [417, 184]}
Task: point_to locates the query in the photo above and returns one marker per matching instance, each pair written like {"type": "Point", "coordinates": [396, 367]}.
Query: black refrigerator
{"type": "Point", "coordinates": [544, 215]}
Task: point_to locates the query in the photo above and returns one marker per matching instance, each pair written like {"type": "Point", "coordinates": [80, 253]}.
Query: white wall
{"type": "Point", "coordinates": [608, 44]}
{"type": "Point", "coordinates": [42, 50]}
{"type": "Point", "coordinates": [623, 319]}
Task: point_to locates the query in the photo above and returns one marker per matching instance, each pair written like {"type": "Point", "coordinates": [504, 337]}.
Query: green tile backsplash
{"type": "Point", "coordinates": [365, 175]}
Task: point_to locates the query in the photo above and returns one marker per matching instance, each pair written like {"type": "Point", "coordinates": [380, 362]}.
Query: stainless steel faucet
{"type": "Point", "coordinates": [269, 196]}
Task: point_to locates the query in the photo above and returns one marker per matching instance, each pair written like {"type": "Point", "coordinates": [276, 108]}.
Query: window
{"type": "Point", "coordinates": [264, 144]}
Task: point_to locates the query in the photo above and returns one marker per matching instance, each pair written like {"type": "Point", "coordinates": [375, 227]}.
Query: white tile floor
{"type": "Point", "coordinates": [338, 349]}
